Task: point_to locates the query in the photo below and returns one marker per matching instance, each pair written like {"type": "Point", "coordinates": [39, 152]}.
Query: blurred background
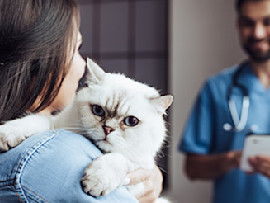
{"type": "Point", "coordinates": [173, 45]}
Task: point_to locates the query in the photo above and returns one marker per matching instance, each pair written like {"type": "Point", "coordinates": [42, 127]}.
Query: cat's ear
{"type": "Point", "coordinates": [162, 103]}
{"type": "Point", "coordinates": [96, 73]}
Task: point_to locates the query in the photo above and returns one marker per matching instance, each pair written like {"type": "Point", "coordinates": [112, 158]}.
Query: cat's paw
{"type": "Point", "coordinates": [98, 180]}
{"type": "Point", "coordinates": [9, 138]}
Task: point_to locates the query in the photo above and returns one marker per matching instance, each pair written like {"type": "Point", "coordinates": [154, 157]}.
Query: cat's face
{"type": "Point", "coordinates": [122, 115]}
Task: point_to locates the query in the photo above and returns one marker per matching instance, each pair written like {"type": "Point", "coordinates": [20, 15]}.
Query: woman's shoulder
{"type": "Point", "coordinates": [45, 163]}
{"type": "Point", "coordinates": [58, 144]}
{"type": "Point", "coordinates": [49, 166]}
{"type": "Point", "coordinates": [58, 141]}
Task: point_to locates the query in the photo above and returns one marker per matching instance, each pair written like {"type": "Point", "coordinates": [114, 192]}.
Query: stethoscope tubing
{"type": "Point", "coordinates": [239, 121]}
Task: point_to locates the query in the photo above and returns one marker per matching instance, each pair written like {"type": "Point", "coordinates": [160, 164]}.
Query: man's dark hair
{"type": "Point", "coordinates": [36, 39]}
{"type": "Point", "coordinates": [239, 4]}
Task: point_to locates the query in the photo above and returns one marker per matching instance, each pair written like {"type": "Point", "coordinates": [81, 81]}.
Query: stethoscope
{"type": "Point", "coordinates": [239, 122]}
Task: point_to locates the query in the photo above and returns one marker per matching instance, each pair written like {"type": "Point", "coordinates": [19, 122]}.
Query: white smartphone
{"type": "Point", "coordinates": [254, 145]}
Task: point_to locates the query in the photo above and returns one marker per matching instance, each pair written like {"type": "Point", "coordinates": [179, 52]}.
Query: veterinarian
{"type": "Point", "coordinates": [40, 69]}
{"type": "Point", "coordinates": [231, 105]}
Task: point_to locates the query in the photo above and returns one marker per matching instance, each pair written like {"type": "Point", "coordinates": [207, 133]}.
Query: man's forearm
{"type": "Point", "coordinates": [210, 166]}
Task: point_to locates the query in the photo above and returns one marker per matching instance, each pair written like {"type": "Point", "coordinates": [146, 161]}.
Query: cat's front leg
{"type": "Point", "coordinates": [105, 174]}
{"type": "Point", "coordinates": [9, 139]}
{"type": "Point", "coordinates": [13, 132]}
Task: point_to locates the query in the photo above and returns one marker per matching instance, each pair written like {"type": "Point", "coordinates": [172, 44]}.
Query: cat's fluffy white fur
{"type": "Point", "coordinates": [126, 147]}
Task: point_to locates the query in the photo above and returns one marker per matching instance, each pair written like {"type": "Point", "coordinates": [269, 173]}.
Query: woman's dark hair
{"type": "Point", "coordinates": [36, 42]}
{"type": "Point", "coordinates": [239, 4]}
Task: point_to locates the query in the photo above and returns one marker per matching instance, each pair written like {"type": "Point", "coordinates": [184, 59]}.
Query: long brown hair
{"type": "Point", "coordinates": [36, 38]}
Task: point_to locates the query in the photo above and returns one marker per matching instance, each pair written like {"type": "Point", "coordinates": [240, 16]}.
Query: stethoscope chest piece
{"type": "Point", "coordinates": [251, 129]}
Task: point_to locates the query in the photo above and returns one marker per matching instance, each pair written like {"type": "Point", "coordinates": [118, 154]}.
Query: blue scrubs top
{"type": "Point", "coordinates": [204, 133]}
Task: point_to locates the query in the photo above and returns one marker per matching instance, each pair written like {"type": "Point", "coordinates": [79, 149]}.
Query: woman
{"type": "Point", "coordinates": [40, 67]}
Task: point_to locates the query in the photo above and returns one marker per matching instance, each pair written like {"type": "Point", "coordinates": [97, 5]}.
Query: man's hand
{"type": "Point", "coordinates": [211, 166]}
{"type": "Point", "coordinates": [152, 179]}
{"type": "Point", "coordinates": [260, 164]}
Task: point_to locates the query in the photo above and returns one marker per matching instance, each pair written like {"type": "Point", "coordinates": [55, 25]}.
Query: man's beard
{"type": "Point", "coordinates": [256, 55]}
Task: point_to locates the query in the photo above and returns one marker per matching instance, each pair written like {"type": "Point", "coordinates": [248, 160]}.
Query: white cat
{"type": "Point", "coordinates": [122, 117]}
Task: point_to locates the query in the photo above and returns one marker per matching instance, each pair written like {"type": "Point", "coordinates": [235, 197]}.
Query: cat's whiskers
{"type": "Point", "coordinates": [72, 124]}
{"type": "Point", "coordinates": [76, 128]}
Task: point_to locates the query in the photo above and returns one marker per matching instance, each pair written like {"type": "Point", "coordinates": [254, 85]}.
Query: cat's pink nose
{"type": "Point", "coordinates": [107, 129]}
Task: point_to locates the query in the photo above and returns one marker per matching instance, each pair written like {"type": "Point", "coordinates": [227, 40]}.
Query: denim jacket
{"type": "Point", "coordinates": [48, 167]}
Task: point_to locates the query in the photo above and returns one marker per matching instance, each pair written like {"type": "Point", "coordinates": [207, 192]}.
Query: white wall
{"type": "Point", "coordinates": [203, 40]}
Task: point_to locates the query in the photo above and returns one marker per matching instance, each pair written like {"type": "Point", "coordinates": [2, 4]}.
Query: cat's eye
{"type": "Point", "coordinates": [131, 121]}
{"type": "Point", "coordinates": [97, 110]}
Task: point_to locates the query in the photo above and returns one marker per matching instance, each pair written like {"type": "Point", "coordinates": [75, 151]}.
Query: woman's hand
{"type": "Point", "coordinates": [152, 179]}
{"type": "Point", "coordinates": [260, 164]}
